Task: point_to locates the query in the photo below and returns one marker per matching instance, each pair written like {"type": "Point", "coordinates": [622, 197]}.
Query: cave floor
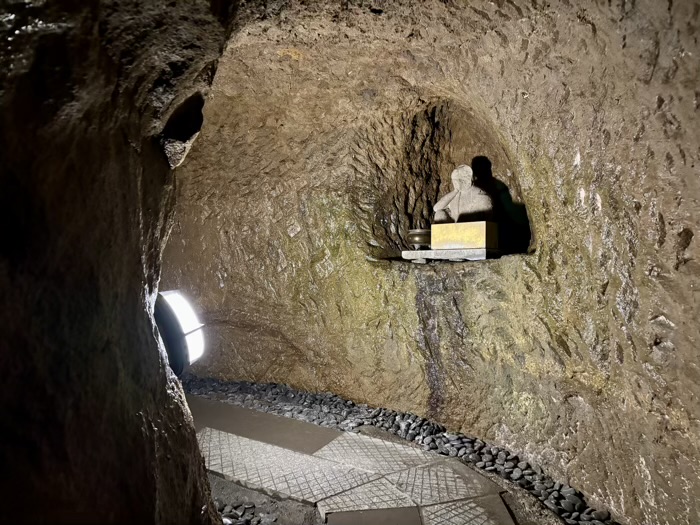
{"type": "Point", "coordinates": [349, 477]}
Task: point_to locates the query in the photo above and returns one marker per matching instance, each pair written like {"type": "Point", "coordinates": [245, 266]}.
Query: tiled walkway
{"type": "Point", "coordinates": [351, 478]}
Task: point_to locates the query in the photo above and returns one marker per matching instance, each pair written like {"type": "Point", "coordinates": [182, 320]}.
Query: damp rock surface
{"type": "Point", "coordinates": [95, 427]}
{"type": "Point", "coordinates": [333, 131]}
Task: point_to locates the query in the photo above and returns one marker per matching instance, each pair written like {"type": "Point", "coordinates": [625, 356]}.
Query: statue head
{"type": "Point", "coordinates": [466, 202]}
{"type": "Point", "coordinates": [462, 176]}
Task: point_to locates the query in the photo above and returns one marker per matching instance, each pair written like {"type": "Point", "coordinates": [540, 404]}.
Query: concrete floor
{"type": "Point", "coordinates": [267, 428]}
{"type": "Point", "coordinates": [350, 478]}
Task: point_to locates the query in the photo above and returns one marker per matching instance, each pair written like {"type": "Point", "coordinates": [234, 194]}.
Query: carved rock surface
{"type": "Point", "coordinates": [94, 425]}
{"type": "Point", "coordinates": [331, 132]}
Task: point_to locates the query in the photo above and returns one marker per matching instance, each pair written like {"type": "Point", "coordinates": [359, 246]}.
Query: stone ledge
{"type": "Point", "coordinates": [474, 254]}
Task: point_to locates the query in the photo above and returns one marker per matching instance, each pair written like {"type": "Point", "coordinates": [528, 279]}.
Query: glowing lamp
{"type": "Point", "coordinates": [180, 330]}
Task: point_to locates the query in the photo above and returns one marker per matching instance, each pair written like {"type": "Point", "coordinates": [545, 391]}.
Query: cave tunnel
{"type": "Point", "coordinates": [209, 316]}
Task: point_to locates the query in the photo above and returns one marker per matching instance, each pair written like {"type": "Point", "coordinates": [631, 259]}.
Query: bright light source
{"type": "Point", "coordinates": [195, 345]}
{"type": "Point", "coordinates": [191, 327]}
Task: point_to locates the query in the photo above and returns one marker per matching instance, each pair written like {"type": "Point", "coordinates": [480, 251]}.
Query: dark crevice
{"type": "Point", "coordinates": [186, 120]}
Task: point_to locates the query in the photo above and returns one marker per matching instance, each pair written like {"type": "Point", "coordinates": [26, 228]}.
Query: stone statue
{"type": "Point", "coordinates": [466, 202]}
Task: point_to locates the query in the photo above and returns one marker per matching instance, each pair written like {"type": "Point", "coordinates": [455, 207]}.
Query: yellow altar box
{"type": "Point", "coordinates": [464, 235]}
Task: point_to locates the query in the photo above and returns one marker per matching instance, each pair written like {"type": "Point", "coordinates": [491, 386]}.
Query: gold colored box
{"type": "Point", "coordinates": [464, 235]}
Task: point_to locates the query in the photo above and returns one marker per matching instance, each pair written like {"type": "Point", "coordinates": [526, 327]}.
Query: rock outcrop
{"type": "Point", "coordinates": [94, 426]}
{"type": "Point", "coordinates": [333, 131]}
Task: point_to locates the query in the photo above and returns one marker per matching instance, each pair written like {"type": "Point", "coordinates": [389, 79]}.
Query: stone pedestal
{"type": "Point", "coordinates": [473, 254]}
{"type": "Point", "coordinates": [464, 236]}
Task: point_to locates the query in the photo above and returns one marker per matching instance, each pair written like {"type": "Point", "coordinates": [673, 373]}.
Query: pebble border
{"type": "Point", "coordinates": [332, 411]}
{"type": "Point", "coordinates": [241, 513]}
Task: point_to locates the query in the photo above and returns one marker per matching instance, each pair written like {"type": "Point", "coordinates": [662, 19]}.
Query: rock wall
{"type": "Point", "coordinates": [94, 426]}
{"type": "Point", "coordinates": [332, 131]}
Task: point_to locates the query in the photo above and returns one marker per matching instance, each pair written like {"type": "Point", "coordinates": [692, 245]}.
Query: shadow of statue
{"type": "Point", "coordinates": [514, 231]}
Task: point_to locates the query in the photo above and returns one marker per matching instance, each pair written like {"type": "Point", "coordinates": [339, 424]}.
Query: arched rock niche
{"type": "Point", "coordinates": [404, 162]}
